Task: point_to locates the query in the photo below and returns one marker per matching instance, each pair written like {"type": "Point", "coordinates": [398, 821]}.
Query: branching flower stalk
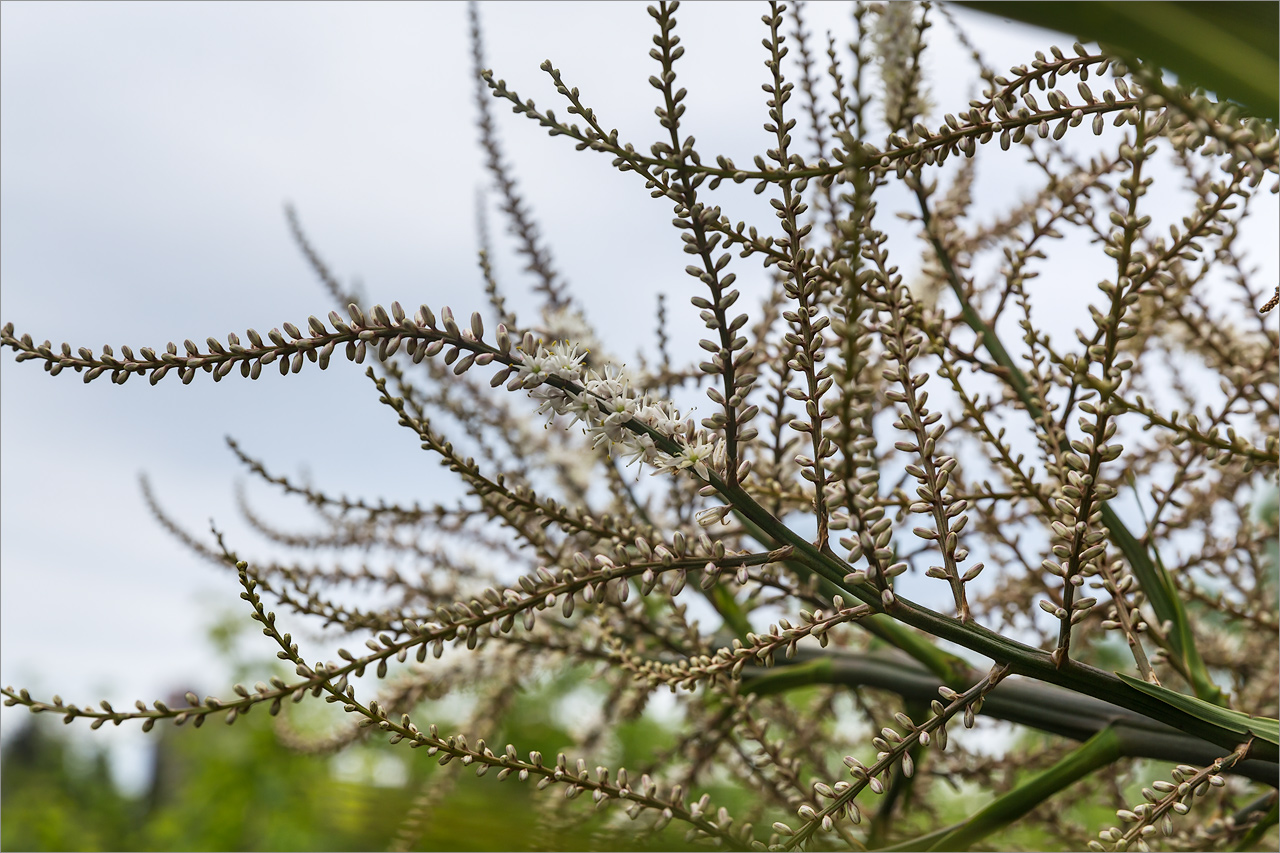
{"type": "Point", "coordinates": [944, 422]}
{"type": "Point", "coordinates": [605, 785]}
{"type": "Point", "coordinates": [729, 356]}
{"type": "Point", "coordinates": [801, 286]}
{"type": "Point", "coordinates": [894, 749]}
{"type": "Point", "coordinates": [1164, 797]}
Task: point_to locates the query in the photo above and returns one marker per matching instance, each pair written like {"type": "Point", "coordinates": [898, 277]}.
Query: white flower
{"type": "Point", "coordinates": [562, 360]}
{"type": "Point", "coordinates": [565, 361]}
{"type": "Point", "coordinates": [618, 411]}
{"type": "Point", "coordinates": [702, 452]}
{"type": "Point", "coordinates": [639, 447]}
{"type": "Point", "coordinates": [599, 436]}
{"type": "Point", "coordinates": [608, 402]}
{"type": "Point", "coordinates": [582, 408]}
{"type": "Point", "coordinates": [657, 417]}
{"type": "Point", "coordinates": [533, 369]}
{"type": "Point", "coordinates": [612, 383]}
{"type": "Point", "coordinates": [553, 400]}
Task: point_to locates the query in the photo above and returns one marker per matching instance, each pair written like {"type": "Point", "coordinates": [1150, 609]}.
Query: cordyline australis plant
{"type": "Point", "coordinates": [867, 440]}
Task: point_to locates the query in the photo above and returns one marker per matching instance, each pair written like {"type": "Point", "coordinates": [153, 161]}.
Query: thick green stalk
{"type": "Point", "coordinates": [1027, 703]}
{"type": "Point", "coordinates": [780, 679]}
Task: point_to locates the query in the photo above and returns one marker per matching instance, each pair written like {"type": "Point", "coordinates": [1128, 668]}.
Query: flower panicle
{"type": "Point", "coordinates": [612, 412]}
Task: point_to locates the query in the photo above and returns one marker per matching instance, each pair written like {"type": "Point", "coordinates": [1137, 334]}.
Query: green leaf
{"type": "Point", "coordinates": [1235, 721]}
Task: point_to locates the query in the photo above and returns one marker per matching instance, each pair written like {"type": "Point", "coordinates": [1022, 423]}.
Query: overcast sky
{"type": "Point", "coordinates": [147, 150]}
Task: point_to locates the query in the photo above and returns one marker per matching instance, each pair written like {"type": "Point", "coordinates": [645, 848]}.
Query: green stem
{"type": "Point", "coordinates": [1026, 703]}
{"type": "Point", "coordinates": [954, 671]}
{"type": "Point", "coordinates": [783, 678]}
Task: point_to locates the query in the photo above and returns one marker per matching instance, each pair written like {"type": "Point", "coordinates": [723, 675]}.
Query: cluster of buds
{"type": "Point", "coordinates": [1163, 797]}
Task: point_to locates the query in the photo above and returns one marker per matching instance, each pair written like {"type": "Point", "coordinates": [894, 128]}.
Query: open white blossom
{"type": "Point", "coordinates": [608, 402]}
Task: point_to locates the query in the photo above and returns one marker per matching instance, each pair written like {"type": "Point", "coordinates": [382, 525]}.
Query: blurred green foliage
{"type": "Point", "coordinates": [241, 788]}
